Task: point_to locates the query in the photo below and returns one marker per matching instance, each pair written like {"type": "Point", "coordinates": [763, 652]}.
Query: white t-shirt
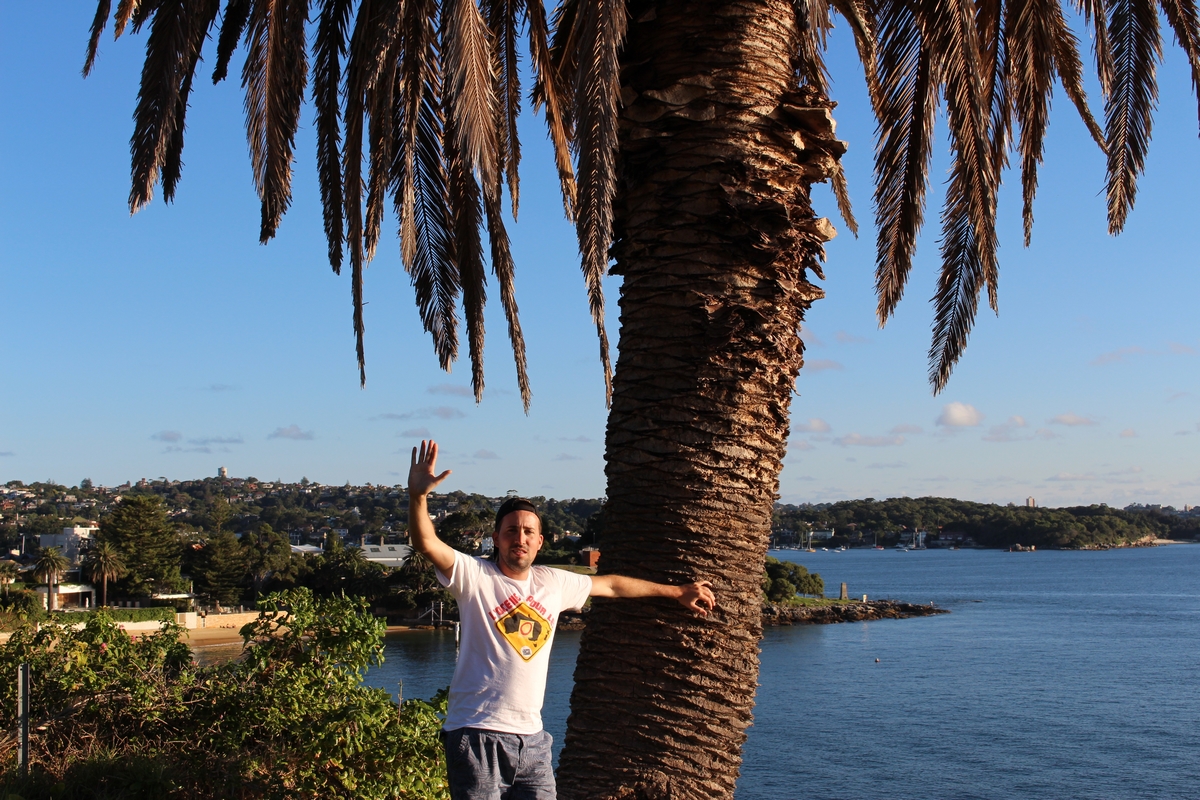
{"type": "Point", "coordinates": [504, 645]}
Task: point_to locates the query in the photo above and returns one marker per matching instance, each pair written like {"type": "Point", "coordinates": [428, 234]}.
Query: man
{"type": "Point", "coordinates": [495, 746]}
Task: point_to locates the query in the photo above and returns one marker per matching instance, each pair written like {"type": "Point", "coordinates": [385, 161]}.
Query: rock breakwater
{"type": "Point", "coordinates": [846, 612]}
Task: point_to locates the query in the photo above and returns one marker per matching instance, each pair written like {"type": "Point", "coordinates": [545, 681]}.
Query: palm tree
{"type": "Point", "coordinates": [50, 566]}
{"type": "Point", "coordinates": [103, 563]}
{"type": "Point", "coordinates": [9, 572]}
{"type": "Point", "coordinates": [687, 136]}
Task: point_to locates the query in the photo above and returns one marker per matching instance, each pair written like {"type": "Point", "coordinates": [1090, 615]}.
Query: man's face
{"type": "Point", "coordinates": [517, 542]}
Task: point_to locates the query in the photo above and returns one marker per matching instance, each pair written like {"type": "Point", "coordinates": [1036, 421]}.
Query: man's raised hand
{"type": "Point", "coordinates": [698, 596]}
{"type": "Point", "coordinates": [422, 474]}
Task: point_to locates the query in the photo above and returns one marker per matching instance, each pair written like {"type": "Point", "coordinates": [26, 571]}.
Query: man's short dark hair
{"type": "Point", "coordinates": [516, 504]}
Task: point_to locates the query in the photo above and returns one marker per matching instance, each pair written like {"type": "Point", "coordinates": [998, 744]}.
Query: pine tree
{"type": "Point", "coordinates": [150, 550]}
{"type": "Point", "coordinates": [220, 569]}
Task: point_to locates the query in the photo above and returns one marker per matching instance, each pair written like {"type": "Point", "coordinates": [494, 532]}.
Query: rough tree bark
{"type": "Point", "coordinates": [715, 238]}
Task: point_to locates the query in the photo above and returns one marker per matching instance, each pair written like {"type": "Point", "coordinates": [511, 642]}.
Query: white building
{"type": "Point", "coordinates": [389, 555]}
{"type": "Point", "coordinates": [73, 541]}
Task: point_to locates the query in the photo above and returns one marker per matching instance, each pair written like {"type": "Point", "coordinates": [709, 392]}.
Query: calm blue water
{"type": "Point", "coordinates": [1058, 675]}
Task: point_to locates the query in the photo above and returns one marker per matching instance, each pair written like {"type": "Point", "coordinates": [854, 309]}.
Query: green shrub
{"type": "Point", "coordinates": [116, 717]}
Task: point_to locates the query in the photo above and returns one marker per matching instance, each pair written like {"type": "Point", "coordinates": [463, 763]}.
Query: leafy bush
{"type": "Point", "coordinates": [783, 579]}
{"type": "Point", "coordinates": [116, 717]}
{"type": "Point", "coordinates": [18, 606]}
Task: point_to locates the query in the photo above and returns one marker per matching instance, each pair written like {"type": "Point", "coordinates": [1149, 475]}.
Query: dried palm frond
{"type": "Point", "coordinates": [464, 204]}
{"type": "Point", "coordinates": [548, 91]}
{"type": "Point", "coordinates": [274, 76]}
{"type": "Point", "coordinates": [1181, 16]}
{"type": "Point", "coordinates": [504, 17]}
{"type": "Point", "coordinates": [600, 32]}
{"type": "Point", "coordinates": [1136, 50]}
{"type": "Point", "coordinates": [98, 23]}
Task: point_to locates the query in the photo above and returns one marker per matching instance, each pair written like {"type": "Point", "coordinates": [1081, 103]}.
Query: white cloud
{"type": "Point", "coordinates": [798, 445]}
{"type": "Point", "coordinates": [1045, 433]}
{"type": "Point", "coordinates": [1071, 419]}
{"type": "Point", "coordinates": [890, 465]}
{"type": "Point", "coordinates": [566, 457]}
{"type": "Point", "coordinates": [291, 432]}
{"type": "Point", "coordinates": [485, 454]}
{"type": "Point", "coordinates": [1119, 354]}
{"type": "Point", "coordinates": [1129, 433]}
{"type": "Point", "coordinates": [416, 433]}
{"type": "Point", "coordinates": [167, 436]}
{"type": "Point", "coordinates": [809, 338]}
{"type": "Point", "coordinates": [220, 387]}
{"type": "Point", "coordinates": [1006, 432]}
{"type": "Point", "coordinates": [207, 440]}
{"type": "Point", "coordinates": [7, 454]}
{"type": "Point", "coordinates": [857, 440]}
{"type": "Point", "coordinates": [451, 389]}
{"type": "Point", "coordinates": [1073, 477]}
{"type": "Point", "coordinates": [812, 426]}
{"type": "Point", "coordinates": [574, 439]}
{"type": "Point", "coordinates": [1181, 349]}
{"type": "Point", "coordinates": [907, 428]}
{"type": "Point", "coordinates": [959, 415]}
{"type": "Point", "coordinates": [440, 412]}
{"type": "Point", "coordinates": [821, 365]}
{"type": "Point", "coordinates": [848, 338]}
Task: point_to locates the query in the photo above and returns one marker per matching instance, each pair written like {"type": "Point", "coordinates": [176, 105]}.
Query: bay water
{"type": "Point", "coordinates": [1056, 675]}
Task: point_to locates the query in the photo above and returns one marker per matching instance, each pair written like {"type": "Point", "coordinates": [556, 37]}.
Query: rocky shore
{"type": "Point", "coordinates": [846, 612]}
{"type": "Point", "coordinates": [853, 611]}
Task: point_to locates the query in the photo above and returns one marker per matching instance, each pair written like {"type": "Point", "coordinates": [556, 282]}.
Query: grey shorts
{"type": "Point", "coordinates": [487, 765]}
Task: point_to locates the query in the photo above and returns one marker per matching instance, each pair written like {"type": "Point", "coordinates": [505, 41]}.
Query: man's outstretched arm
{"type": "Point", "coordinates": [697, 596]}
{"type": "Point", "coordinates": [423, 479]}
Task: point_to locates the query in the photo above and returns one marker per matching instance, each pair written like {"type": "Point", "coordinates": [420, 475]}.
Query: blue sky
{"type": "Point", "coordinates": [171, 343]}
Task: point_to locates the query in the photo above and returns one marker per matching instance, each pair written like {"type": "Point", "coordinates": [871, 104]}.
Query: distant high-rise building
{"type": "Point", "coordinates": [222, 472]}
{"type": "Point", "coordinates": [1030, 502]}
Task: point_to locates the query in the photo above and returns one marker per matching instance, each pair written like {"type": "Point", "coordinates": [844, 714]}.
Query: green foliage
{"type": "Point", "coordinates": [988, 525]}
{"type": "Point", "coordinates": [118, 717]}
{"type": "Point", "coordinates": [265, 553]}
{"type": "Point", "coordinates": [138, 530]}
{"type": "Point", "coordinates": [219, 568]}
{"type": "Point", "coordinates": [782, 580]}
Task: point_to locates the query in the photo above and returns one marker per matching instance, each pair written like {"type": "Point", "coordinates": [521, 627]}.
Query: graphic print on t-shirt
{"type": "Point", "coordinates": [525, 629]}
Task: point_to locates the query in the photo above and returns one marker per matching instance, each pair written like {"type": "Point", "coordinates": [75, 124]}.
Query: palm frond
{"type": "Point", "coordinates": [1181, 16]}
{"type": "Point", "coordinates": [470, 88]}
{"type": "Point", "coordinates": [502, 265]}
{"type": "Point", "coordinates": [962, 278]}
{"type": "Point", "coordinates": [1070, 71]}
{"type": "Point", "coordinates": [168, 53]}
{"type": "Point", "coordinates": [426, 228]}
{"type": "Point", "coordinates": [969, 218]}
{"type": "Point", "coordinates": [504, 18]}
{"type": "Point", "coordinates": [601, 33]}
{"type": "Point", "coordinates": [329, 47]}
{"type": "Point", "coordinates": [233, 24]}
{"type": "Point", "coordinates": [381, 109]}
{"type": "Point", "coordinates": [202, 14]}
{"type": "Point", "coordinates": [905, 113]}
{"type": "Point", "coordinates": [841, 193]}
{"type": "Point", "coordinates": [422, 201]}
{"type": "Point", "coordinates": [465, 206]}
{"type": "Point", "coordinates": [812, 28]}
{"type": "Point", "coordinates": [860, 17]}
{"type": "Point", "coordinates": [142, 11]}
{"type": "Point", "coordinates": [98, 23]}
{"type": "Point", "coordinates": [548, 91]}
{"type": "Point", "coordinates": [1095, 13]}
{"type": "Point", "coordinates": [274, 76]}
{"type": "Point", "coordinates": [125, 11]}
{"type": "Point", "coordinates": [1136, 49]}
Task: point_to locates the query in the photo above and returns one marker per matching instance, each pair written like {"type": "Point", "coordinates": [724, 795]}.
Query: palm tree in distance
{"type": "Point", "coordinates": [50, 566]}
{"type": "Point", "coordinates": [9, 572]}
{"type": "Point", "coordinates": [687, 137]}
{"type": "Point", "coordinates": [103, 563]}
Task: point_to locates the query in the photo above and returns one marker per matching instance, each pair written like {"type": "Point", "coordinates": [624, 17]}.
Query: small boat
{"type": "Point", "coordinates": [824, 549]}
{"type": "Point", "coordinates": [879, 547]}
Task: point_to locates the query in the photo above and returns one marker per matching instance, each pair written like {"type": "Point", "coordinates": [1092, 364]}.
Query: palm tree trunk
{"type": "Point", "coordinates": [104, 591]}
{"type": "Point", "coordinates": [715, 236]}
